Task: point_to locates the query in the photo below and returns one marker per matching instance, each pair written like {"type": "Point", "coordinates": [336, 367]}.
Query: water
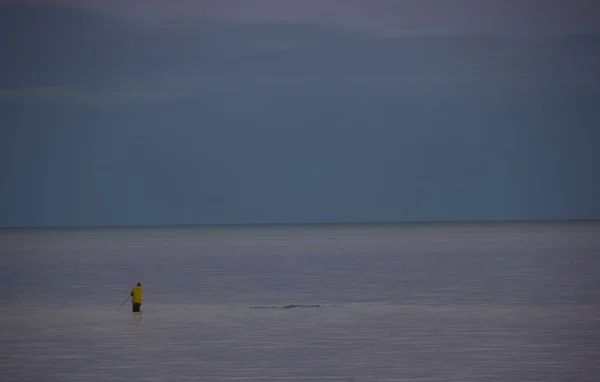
{"type": "Point", "coordinates": [430, 302]}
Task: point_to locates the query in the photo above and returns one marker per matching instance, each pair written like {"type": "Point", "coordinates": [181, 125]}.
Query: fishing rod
{"type": "Point", "coordinates": [125, 301]}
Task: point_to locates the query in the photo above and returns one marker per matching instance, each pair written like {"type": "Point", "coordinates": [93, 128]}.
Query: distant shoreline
{"type": "Point", "coordinates": [310, 224]}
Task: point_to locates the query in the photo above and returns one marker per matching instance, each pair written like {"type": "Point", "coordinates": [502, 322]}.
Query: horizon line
{"type": "Point", "coordinates": [315, 223]}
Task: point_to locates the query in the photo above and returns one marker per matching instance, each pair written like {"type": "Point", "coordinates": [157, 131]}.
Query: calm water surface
{"type": "Point", "coordinates": [462, 302]}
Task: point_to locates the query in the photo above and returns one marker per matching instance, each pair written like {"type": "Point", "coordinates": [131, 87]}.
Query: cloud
{"type": "Point", "coordinates": [76, 56]}
{"type": "Point", "coordinates": [75, 96]}
{"type": "Point", "coordinates": [181, 87]}
{"type": "Point", "coordinates": [470, 16]}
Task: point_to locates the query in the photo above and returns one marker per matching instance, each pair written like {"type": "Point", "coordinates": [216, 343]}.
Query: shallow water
{"type": "Point", "coordinates": [462, 302]}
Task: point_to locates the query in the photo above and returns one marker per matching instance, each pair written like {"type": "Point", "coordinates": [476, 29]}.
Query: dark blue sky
{"type": "Point", "coordinates": [219, 112]}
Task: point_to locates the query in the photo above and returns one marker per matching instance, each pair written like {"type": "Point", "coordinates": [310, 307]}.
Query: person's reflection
{"type": "Point", "coordinates": [137, 320]}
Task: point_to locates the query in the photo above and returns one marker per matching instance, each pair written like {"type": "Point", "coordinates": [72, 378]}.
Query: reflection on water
{"type": "Point", "coordinates": [383, 303]}
{"type": "Point", "coordinates": [137, 319]}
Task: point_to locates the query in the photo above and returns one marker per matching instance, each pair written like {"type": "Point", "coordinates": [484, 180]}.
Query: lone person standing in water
{"type": "Point", "coordinates": [136, 297]}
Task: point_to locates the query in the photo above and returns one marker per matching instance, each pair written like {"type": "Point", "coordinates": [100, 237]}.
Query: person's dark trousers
{"type": "Point", "coordinates": [136, 307]}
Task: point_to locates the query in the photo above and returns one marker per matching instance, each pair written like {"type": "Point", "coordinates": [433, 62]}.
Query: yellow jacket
{"type": "Point", "coordinates": [136, 295]}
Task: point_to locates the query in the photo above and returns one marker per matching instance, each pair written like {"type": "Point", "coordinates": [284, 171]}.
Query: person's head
{"type": "Point", "coordinates": [139, 284]}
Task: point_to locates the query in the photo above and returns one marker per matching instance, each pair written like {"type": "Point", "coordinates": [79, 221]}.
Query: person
{"type": "Point", "coordinates": [136, 297]}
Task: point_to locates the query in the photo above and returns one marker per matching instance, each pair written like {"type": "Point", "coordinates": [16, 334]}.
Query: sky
{"type": "Point", "coordinates": [268, 111]}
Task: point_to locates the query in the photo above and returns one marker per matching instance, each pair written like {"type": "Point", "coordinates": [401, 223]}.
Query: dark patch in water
{"type": "Point", "coordinates": [286, 307]}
